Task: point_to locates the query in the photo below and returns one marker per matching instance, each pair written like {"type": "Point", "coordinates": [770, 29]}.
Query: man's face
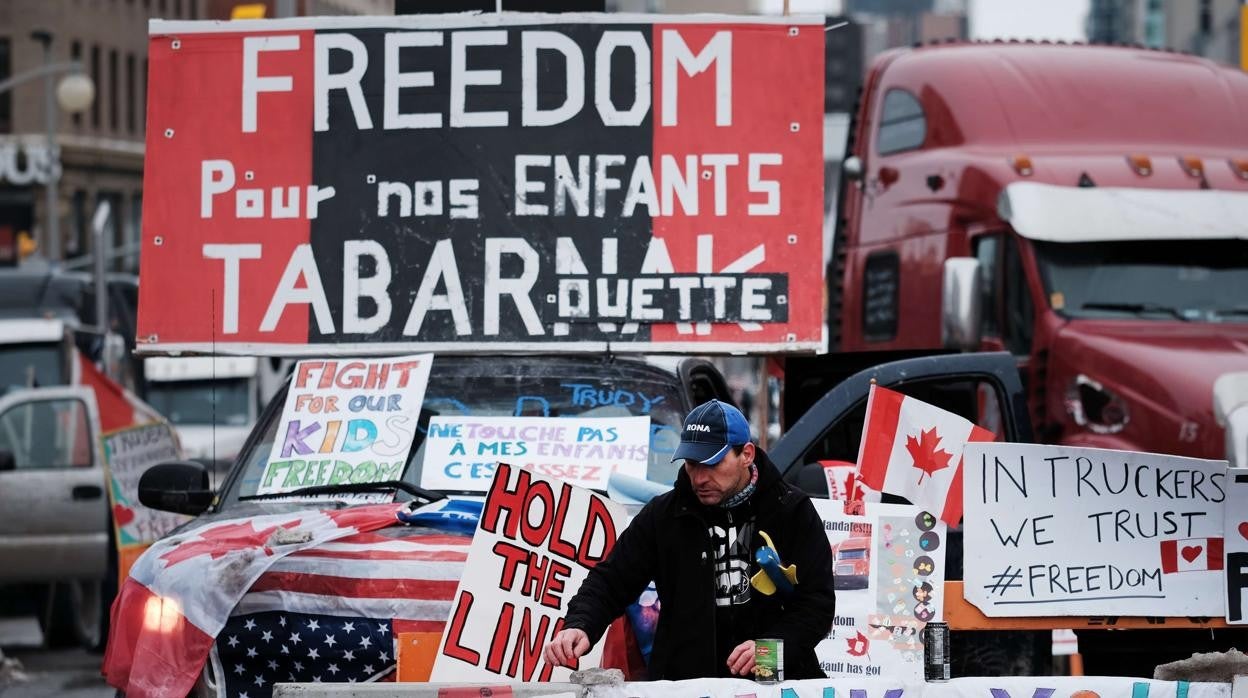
{"type": "Point", "coordinates": [712, 484]}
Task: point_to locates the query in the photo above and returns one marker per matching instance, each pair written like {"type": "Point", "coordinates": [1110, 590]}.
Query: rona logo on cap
{"type": "Point", "coordinates": [697, 427]}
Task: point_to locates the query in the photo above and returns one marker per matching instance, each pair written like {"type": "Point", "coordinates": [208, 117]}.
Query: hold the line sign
{"type": "Point", "coordinates": [1053, 531]}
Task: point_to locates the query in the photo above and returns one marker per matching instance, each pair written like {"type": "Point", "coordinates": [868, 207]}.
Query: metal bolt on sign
{"type": "Point", "coordinates": [175, 44]}
{"type": "Point", "coordinates": [168, 133]}
{"type": "Point", "coordinates": [795, 127]}
{"type": "Point", "coordinates": [158, 240]}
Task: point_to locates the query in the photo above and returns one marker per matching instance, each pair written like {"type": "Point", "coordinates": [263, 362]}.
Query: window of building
{"type": "Point", "coordinates": [1206, 17]}
{"type": "Point", "coordinates": [194, 11]}
{"type": "Point", "coordinates": [143, 99]}
{"type": "Point", "coordinates": [177, 8]}
{"type": "Point", "coordinates": [114, 101]}
{"type": "Point", "coordinates": [902, 124]}
{"type": "Point", "coordinates": [95, 78]}
{"type": "Point", "coordinates": [6, 98]}
{"type": "Point", "coordinates": [114, 230]}
{"type": "Point", "coordinates": [75, 55]}
{"type": "Point", "coordinates": [131, 115]}
{"type": "Point", "coordinates": [76, 245]}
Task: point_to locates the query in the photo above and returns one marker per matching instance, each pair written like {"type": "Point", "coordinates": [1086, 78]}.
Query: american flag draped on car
{"type": "Point", "coordinates": [181, 593]}
{"type": "Point", "coordinates": [331, 613]}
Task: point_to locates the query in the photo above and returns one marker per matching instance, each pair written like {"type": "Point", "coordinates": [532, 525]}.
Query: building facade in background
{"type": "Point", "coordinates": [99, 150]}
{"type": "Point", "coordinates": [1209, 28]}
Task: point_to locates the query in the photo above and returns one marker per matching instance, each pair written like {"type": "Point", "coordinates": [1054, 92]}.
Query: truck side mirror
{"type": "Point", "coordinates": [180, 487]}
{"type": "Point", "coordinates": [961, 305]}
{"type": "Point", "coordinates": [7, 461]}
{"type": "Point", "coordinates": [851, 168]}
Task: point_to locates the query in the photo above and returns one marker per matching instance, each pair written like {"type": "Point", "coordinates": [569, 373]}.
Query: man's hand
{"type": "Point", "coordinates": [741, 661]}
{"type": "Point", "coordinates": [567, 646]}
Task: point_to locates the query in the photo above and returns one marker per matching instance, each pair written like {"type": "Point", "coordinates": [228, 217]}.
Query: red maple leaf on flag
{"type": "Point", "coordinates": [223, 539]}
{"type": "Point", "coordinates": [926, 457]}
{"type": "Point", "coordinates": [858, 645]}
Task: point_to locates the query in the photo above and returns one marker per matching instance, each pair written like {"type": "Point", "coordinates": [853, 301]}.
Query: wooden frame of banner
{"type": "Point", "coordinates": [961, 614]}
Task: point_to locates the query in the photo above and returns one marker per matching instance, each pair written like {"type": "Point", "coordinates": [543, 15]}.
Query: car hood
{"type": "Point", "coordinates": [1164, 369]}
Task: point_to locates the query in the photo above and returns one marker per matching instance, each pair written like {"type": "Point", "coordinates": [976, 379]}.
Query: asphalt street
{"type": "Point", "coordinates": [29, 671]}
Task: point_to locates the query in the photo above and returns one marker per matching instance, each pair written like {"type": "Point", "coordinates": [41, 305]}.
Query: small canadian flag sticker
{"type": "Point", "coordinates": [1191, 555]}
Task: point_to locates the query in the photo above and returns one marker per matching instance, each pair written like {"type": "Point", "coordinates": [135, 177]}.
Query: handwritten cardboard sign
{"type": "Point", "coordinates": [461, 452]}
{"type": "Point", "coordinates": [347, 421]}
{"type": "Point", "coordinates": [129, 453]}
{"type": "Point", "coordinates": [537, 540]}
{"type": "Point", "coordinates": [1054, 531]}
{"type": "Point", "coordinates": [1236, 545]}
{"type": "Point", "coordinates": [889, 571]}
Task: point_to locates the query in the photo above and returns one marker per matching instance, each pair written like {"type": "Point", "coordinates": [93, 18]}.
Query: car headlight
{"type": "Point", "coordinates": [1095, 407]}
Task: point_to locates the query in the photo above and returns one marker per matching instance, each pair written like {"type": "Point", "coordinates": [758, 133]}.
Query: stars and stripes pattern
{"type": "Point", "coordinates": [332, 613]}
{"type": "Point", "coordinates": [258, 650]}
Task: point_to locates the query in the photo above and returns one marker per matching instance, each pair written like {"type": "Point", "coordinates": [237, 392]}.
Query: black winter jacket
{"type": "Point", "coordinates": [668, 542]}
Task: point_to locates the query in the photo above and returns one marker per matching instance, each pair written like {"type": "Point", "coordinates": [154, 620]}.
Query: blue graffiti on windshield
{"type": "Point", "coordinates": [589, 395]}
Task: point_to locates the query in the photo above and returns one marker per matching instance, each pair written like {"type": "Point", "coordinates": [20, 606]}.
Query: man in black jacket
{"type": "Point", "coordinates": [697, 543]}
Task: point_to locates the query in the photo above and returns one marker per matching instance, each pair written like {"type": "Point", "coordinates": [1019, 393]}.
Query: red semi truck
{"type": "Point", "coordinates": [1083, 207]}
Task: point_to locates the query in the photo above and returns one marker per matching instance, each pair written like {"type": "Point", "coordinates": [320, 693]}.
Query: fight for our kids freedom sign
{"type": "Point", "coordinates": [535, 543]}
{"type": "Point", "coordinates": [461, 452]}
{"type": "Point", "coordinates": [347, 421]}
{"type": "Point", "coordinates": [1053, 530]}
{"type": "Point", "coordinates": [377, 185]}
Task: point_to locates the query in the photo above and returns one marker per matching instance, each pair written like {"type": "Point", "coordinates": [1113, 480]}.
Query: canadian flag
{"type": "Point", "coordinates": [914, 450]}
{"type": "Point", "coordinates": [180, 592]}
{"type": "Point", "coordinates": [1191, 555]}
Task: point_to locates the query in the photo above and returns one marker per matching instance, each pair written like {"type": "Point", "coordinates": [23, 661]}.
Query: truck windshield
{"type": "Point", "coordinates": [1189, 280]}
{"type": "Point", "coordinates": [519, 386]}
{"type": "Point", "coordinates": [223, 401]}
{"type": "Point", "coordinates": [36, 365]}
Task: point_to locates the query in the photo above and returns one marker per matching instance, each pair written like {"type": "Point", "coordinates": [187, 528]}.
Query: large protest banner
{"type": "Point", "coordinates": [509, 181]}
{"type": "Point", "coordinates": [129, 453]}
{"type": "Point", "coordinates": [537, 540]}
{"type": "Point", "coordinates": [1053, 531]}
{"type": "Point", "coordinates": [347, 421]}
{"type": "Point", "coordinates": [1236, 545]}
{"type": "Point", "coordinates": [461, 452]}
{"type": "Point", "coordinates": [889, 567]}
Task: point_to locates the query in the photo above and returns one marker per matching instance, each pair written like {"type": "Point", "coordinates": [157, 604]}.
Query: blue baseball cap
{"type": "Point", "coordinates": [710, 430]}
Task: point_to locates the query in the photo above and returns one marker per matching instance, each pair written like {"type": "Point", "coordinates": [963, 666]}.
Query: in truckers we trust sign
{"type": "Point", "coordinates": [508, 181]}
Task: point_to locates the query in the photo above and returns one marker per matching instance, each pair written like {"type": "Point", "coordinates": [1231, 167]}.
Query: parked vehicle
{"type": "Point", "coordinates": [212, 401]}
{"type": "Point", "coordinates": [546, 386]}
{"type": "Point", "coordinates": [1078, 206]}
{"type": "Point", "coordinates": [43, 294]}
{"type": "Point", "coordinates": [53, 509]}
{"type": "Point", "coordinates": [54, 517]}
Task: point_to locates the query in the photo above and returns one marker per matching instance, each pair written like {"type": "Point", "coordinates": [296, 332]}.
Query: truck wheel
{"type": "Point", "coordinates": [71, 613]}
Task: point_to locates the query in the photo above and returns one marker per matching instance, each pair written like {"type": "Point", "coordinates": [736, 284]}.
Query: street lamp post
{"type": "Point", "coordinates": [53, 188]}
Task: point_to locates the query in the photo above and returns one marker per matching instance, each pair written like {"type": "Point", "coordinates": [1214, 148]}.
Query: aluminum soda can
{"type": "Point", "coordinates": [936, 652]}
{"type": "Point", "coordinates": [768, 660]}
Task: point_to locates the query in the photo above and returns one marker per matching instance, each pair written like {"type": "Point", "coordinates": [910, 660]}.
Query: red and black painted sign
{"type": "Point", "coordinates": [493, 181]}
